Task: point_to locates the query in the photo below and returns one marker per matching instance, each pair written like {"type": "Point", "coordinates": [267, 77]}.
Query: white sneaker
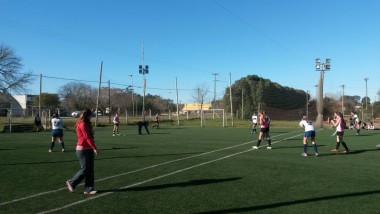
{"type": "Point", "coordinates": [90, 193]}
{"type": "Point", "coordinates": [255, 147]}
{"type": "Point", "coordinates": [269, 147]}
{"type": "Point", "coordinates": [49, 150]}
{"type": "Point", "coordinates": [304, 154]}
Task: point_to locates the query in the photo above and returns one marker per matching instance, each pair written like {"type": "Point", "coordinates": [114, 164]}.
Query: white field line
{"type": "Point", "coordinates": [138, 170]}
{"type": "Point", "coordinates": [156, 178]}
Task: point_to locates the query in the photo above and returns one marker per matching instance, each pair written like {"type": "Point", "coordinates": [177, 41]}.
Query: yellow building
{"type": "Point", "coordinates": [195, 107]}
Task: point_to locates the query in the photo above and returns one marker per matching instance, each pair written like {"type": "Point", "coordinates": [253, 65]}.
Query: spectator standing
{"type": "Point", "coordinates": [85, 151]}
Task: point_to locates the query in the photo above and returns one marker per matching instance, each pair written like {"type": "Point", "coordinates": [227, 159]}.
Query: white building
{"type": "Point", "coordinates": [22, 105]}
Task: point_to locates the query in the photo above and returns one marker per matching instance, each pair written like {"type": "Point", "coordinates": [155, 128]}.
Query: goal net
{"type": "Point", "coordinates": [214, 115]}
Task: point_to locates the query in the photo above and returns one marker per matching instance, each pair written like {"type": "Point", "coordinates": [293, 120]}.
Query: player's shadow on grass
{"type": "Point", "coordinates": [298, 146]}
{"type": "Point", "coordinates": [119, 148]}
{"type": "Point", "coordinates": [96, 159]}
{"type": "Point", "coordinates": [290, 203]}
{"type": "Point", "coordinates": [173, 185]}
{"type": "Point", "coordinates": [144, 156]}
{"type": "Point", "coordinates": [154, 133]}
{"type": "Point", "coordinates": [170, 128]}
{"type": "Point", "coordinates": [352, 152]}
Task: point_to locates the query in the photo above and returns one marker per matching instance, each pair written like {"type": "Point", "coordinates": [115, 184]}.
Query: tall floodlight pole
{"type": "Point", "coordinates": [97, 99]}
{"type": "Point", "coordinates": [366, 93]}
{"type": "Point", "coordinates": [322, 67]}
{"type": "Point", "coordinates": [133, 104]}
{"type": "Point", "coordinates": [143, 69]}
{"type": "Point", "coordinates": [342, 99]}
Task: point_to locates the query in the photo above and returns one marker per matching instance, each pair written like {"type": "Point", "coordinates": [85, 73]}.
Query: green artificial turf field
{"type": "Point", "coordinates": [193, 170]}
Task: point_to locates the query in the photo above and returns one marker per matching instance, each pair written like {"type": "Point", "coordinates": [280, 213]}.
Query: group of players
{"type": "Point", "coordinates": [338, 122]}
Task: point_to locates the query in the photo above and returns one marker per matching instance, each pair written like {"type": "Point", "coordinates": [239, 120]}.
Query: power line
{"type": "Point", "coordinates": [255, 29]}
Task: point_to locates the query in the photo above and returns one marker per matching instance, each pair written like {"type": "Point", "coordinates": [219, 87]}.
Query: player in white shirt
{"type": "Point", "coordinates": [116, 123]}
{"type": "Point", "coordinates": [254, 123]}
{"type": "Point", "coordinates": [309, 133]}
{"type": "Point", "coordinates": [57, 132]}
{"type": "Point", "coordinates": [356, 121]}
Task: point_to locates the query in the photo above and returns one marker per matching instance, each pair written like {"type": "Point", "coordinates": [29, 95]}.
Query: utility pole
{"type": "Point", "coordinates": [133, 104]}
{"type": "Point", "coordinates": [307, 103]}
{"type": "Point", "coordinates": [213, 104]}
{"type": "Point", "coordinates": [242, 104]}
{"type": "Point", "coordinates": [109, 101]}
{"type": "Point", "coordinates": [215, 74]}
{"type": "Point", "coordinates": [176, 89]}
{"type": "Point", "coordinates": [366, 94]}
{"type": "Point", "coordinates": [40, 96]}
{"type": "Point", "coordinates": [342, 99]}
{"type": "Point", "coordinates": [232, 113]}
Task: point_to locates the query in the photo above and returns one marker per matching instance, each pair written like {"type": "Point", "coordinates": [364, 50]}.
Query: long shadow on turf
{"type": "Point", "coordinates": [290, 203]}
{"type": "Point", "coordinates": [97, 159]}
{"type": "Point", "coordinates": [181, 184]}
{"type": "Point", "coordinates": [352, 152]}
{"type": "Point", "coordinates": [117, 148]}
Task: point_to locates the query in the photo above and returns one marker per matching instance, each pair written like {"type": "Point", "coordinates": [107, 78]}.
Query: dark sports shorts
{"type": "Point", "coordinates": [264, 130]}
{"type": "Point", "coordinates": [116, 124]}
{"type": "Point", "coordinates": [310, 134]}
{"type": "Point", "coordinates": [340, 134]}
{"type": "Point", "coordinates": [57, 133]}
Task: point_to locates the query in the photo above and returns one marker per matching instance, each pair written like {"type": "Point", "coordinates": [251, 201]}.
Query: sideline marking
{"type": "Point", "coordinates": [145, 168]}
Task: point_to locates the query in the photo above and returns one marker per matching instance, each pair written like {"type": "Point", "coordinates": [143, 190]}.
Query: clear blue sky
{"type": "Point", "coordinates": [192, 39]}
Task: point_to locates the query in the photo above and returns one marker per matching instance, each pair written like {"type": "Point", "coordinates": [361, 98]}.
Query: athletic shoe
{"type": "Point", "coordinates": [334, 150]}
{"type": "Point", "coordinates": [345, 151]}
{"type": "Point", "coordinates": [118, 134]}
{"type": "Point", "coordinates": [378, 146]}
{"type": "Point", "coordinates": [269, 147]}
{"type": "Point", "coordinates": [49, 150]}
{"type": "Point", "coordinates": [63, 150]}
{"type": "Point", "coordinates": [255, 147]}
{"type": "Point", "coordinates": [113, 135]}
{"type": "Point", "coordinates": [90, 193]}
{"type": "Point", "coordinates": [69, 187]}
{"type": "Point", "coordinates": [316, 155]}
{"type": "Point", "coordinates": [304, 154]}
